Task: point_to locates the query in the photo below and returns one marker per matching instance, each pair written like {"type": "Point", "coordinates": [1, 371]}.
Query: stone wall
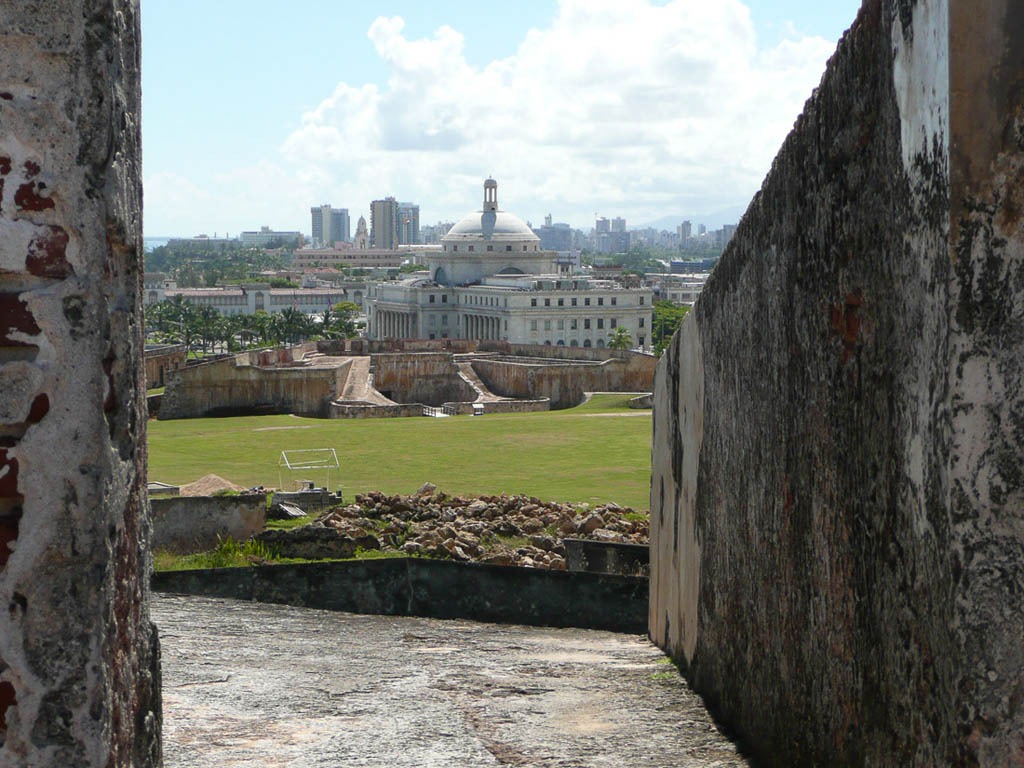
{"type": "Point", "coordinates": [565, 384]}
{"type": "Point", "coordinates": [79, 658]}
{"type": "Point", "coordinates": [237, 386]}
{"type": "Point", "coordinates": [349, 410]}
{"type": "Point", "coordinates": [185, 524]}
{"type": "Point", "coordinates": [163, 358]}
{"type": "Point", "coordinates": [435, 588]}
{"type": "Point", "coordinates": [430, 378]}
{"type": "Point", "coordinates": [837, 502]}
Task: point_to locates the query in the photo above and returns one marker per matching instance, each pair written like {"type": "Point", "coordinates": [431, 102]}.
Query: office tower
{"type": "Point", "coordinates": [384, 223]}
{"type": "Point", "coordinates": [618, 224]}
{"type": "Point", "coordinates": [408, 223]}
{"type": "Point", "coordinates": [329, 225]}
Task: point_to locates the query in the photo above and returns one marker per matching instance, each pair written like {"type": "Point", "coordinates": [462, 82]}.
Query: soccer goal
{"type": "Point", "coordinates": [303, 468]}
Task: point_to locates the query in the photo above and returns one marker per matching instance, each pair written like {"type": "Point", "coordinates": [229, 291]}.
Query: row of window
{"type": "Point", "coordinates": [586, 301]}
{"type": "Point", "coordinates": [574, 324]}
{"type": "Point", "coordinates": [491, 248]}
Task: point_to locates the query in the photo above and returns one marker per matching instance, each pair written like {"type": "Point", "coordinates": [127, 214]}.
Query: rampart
{"type": "Point", "coordinates": [837, 502]}
{"type": "Point", "coordinates": [79, 658]}
{"type": "Point", "coordinates": [564, 381]}
{"type": "Point", "coordinates": [430, 378]}
{"type": "Point", "coordinates": [197, 523]}
{"type": "Point", "coordinates": [264, 381]}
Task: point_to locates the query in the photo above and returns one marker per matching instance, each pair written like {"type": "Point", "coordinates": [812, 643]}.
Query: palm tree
{"type": "Point", "coordinates": [620, 339]}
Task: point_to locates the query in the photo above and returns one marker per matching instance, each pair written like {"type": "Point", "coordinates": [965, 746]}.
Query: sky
{"type": "Point", "coordinates": [255, 111]}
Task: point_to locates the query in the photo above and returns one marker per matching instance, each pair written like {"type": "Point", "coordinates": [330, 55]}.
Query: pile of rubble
{"type": "Point", "coordinates": [499, 530]}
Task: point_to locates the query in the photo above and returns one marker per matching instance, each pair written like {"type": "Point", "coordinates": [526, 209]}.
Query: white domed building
{"type": "Point", "coordinates": [492, 280]}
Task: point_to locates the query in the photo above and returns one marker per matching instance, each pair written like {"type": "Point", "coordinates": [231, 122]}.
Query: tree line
{"type": "Point", "coordinates": [202, 328]}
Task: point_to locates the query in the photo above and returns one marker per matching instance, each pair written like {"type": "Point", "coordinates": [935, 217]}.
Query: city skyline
{"type": "Point", "coordinates": [631, 109]}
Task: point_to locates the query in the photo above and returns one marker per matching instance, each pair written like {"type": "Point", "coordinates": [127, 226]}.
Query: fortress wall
{"type": "Point", "coordinates": [225, 387]}
{"type": "Point", "coordinates": [566, 384]}
{"type": "Point", "coordinates": [837, 494]}
{"type": "Point", "coordinates": [430, 378]}
{"type": "Point", "coordinates": [79, 658]}
{"type": "Point", "coordinates": [187, 524]}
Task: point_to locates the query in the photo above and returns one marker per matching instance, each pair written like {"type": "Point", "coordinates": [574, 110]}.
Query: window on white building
{"type": "Point", "coordinates": [533, 325]}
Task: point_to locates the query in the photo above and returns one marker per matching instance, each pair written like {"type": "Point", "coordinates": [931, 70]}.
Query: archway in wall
{"type": "Point", "coordinates": [511, 271]}
{"type": "Point", "coordinates": [561, 342]}
{"type": "Point", "coordinates": [600, 343]}
{"type": "Point", "coordinates": [440, 277]}
{"type": "Point", "coordinates": [574, 343]}
{"type": "Point", "coordinates": [586, 342]}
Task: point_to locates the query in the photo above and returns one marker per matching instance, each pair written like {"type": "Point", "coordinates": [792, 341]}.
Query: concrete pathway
{"type": "Point", "coordinates": [247, 684]}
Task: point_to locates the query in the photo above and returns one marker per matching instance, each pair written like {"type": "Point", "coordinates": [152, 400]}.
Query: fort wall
{"type": "Point", "coordinates": [79, 658]}
{"type": "Point", "coordinates": [837, 501]}
{"type": "Point", "coordinates": [237, 385]}
{"type": "Point", "coordinates": [185, 524]}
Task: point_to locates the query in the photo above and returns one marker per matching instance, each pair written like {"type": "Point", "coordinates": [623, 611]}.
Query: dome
{"type": "Point", "coordinates": [490, 224]}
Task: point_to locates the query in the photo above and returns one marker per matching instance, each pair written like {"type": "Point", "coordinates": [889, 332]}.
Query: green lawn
{"type": "Point", "coordinates": [580, 454]}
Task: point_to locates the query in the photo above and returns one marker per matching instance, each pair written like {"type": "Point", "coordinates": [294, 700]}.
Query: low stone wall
{"type": "Point", "coordinates": [501, 406]}
{"type": "Point", "coordinates": [153, 405]}
{"type": "Point", "coordinates": [432, 588]}
{"type": "Point", "coordinates": [236, 386]}
{"type": "Point", "coordinates": [373, 411]}
{"type": "Point", "coordinates": [607, 557]}
{"type": "Point", "coordinates": [185, 524]}
{"type": "Point", "coordinates": [430, 378]}
{"type": "Point", "coordinates": [309, 501]}
{"type": "Point", "coordinates": [643, 401]}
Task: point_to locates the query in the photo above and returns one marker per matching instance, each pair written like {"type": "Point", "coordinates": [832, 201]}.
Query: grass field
{"type": "Point", "coordinates": [597, 452]}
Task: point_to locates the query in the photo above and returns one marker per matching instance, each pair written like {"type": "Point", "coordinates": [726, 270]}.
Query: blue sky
{"type": "Point", "coordinates": [620, 107]}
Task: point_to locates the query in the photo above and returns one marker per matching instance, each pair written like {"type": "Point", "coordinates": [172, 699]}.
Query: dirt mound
{"type": "Point", "coordinates": [209, 485]}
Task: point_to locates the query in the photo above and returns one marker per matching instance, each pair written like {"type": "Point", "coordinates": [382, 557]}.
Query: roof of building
{"type": "Point", "coordinates": [489, 223]}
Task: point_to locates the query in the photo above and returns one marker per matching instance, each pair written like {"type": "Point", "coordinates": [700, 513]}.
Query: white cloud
{"type": "Point", "coordinates": [619, 106]}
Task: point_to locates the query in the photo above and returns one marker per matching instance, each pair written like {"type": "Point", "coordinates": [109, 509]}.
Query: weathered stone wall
{"type": "Point", "coordinates": [159, 360]}
{"type": "Point", "coordinates": [424, 587]}
{"type": "Point", "coordinates": [197, 523]}
{"type": "Point", "coordinates": [430, 378]}
{"type": "Point", "coordinates": [79, 659]}
{"type": "Point", "coordinates": [837, 491]}
{"type": "Point", "coordinates": [566, 384]}
{"type": "Point", "coordinates": [236, 385]}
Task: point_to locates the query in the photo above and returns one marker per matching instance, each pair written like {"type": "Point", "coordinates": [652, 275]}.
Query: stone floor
{"type": "Point", "coordinates": [269, 685]}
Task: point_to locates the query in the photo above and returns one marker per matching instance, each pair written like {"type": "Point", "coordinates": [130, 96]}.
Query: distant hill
{"type": "Point", "coordinates": [712, 221]}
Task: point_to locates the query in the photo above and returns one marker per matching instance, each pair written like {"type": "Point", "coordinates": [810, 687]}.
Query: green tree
{"type": "Point", "coordinates": [667, 317]}
{"type": "Point", "coordinates": [620, 339]}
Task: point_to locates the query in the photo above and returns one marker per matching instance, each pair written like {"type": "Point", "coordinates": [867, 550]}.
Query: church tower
{"type": "Point", "coordinates": [362, 238]}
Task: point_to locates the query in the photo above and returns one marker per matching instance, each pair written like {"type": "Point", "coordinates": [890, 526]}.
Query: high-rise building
{"type": "Point", "coordinates": [601, 225]}
{"type": "Point", "coordinates": [384, 223]}
{"type": "Point", "coordinates": [408, 223]}
{"type": "Point", "coordinates": [618, 224]}
{"type": "Point", "coordinates": [329, 225]}
{"type": "Point", "coordinates": [547, 220]}
{"type": "Point", "coordinates": [702, 229]}
{"type": "Point", "coordinates": [685, 231]}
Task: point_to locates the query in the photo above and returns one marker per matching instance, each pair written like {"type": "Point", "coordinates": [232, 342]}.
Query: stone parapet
{"type": "Point", "coordinates": [837, 501]}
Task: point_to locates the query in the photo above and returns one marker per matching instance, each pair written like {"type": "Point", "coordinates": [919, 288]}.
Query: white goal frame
{"type": "Point", "coordinates": [306, 460]}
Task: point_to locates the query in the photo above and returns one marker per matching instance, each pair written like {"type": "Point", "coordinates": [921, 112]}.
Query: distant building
{"type": "Point", "coordinates": [618, 224]}
{"type": "Point", "coordinates": [361, 241]}
{"type": "Point", "coordinates": [408, 224]}
{"type": "Point", "coordinates": [384, 223]}
{"type": "Point", "coordinates": [432, 233]}
{"type": "Point", "coordinates": [329, 226]}
{"type": "Point", "coordinates": [602, 225]}
{"type": "Point", "coordinates": [685, 231]}
{"type": "Point", "coordinates": [677, 288]}
{"type": "Point", "coordinates": [492, 280]}
{"type": "Point", "coordinates": [202, 240]}
{"type": "Point", "coordinates": [702, 229]}
{"type": "Point", "coordinates": [269, 237]}
{"type": "Point", "coordinates": [555, 237]}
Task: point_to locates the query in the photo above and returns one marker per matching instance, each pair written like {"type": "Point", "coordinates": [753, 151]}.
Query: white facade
{"type": "Point", "coordinates": [492, 280]}
{"type": "Point", "coordinates": [247, 300]}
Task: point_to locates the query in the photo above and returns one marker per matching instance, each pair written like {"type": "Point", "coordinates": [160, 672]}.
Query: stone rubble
{"type": "Point", "coordinates": [497, 530]}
